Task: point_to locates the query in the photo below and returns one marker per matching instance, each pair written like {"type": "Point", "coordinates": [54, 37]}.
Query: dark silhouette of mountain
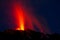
{"type": "Point", "coordinates": [27, 35]}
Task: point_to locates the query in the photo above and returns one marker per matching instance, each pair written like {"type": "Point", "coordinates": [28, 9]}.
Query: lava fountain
{"type": "Point", "coordinates": [26, 20]}
{"type": "Point", "coordinates": [20, 17]}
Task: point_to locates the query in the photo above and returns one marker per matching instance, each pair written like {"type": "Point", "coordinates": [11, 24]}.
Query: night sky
{"type": "Point", "coordinates": [49, 9]}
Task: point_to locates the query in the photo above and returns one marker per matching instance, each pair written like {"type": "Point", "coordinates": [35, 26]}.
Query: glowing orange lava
{"type": "Point", "coordinates": [25, 20]}
{"type": "Point", "coordinates": [19, 13]}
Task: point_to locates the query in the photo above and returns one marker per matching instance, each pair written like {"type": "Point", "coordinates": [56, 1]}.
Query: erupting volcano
{"type": "Point", "coordinates": [26, 20]}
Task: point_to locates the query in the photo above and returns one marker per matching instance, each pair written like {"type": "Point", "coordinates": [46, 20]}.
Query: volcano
{"type": "Point", "coordinates": [25, 19]}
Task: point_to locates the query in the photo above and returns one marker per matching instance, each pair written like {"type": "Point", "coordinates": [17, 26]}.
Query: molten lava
{"type": "Point", "coordinates": [25, 19]}
{"type": "Point", "coordinates": [19, 13]}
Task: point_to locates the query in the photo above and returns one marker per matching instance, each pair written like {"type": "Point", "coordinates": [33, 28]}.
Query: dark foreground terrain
{"type": "Point", "coordinates": [27, 35]}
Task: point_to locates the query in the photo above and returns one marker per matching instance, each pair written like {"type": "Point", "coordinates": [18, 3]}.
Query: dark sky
{"type": "Point", "coordinates": [49, 9]}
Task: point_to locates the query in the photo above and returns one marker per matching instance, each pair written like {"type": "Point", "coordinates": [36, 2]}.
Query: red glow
{"type": "Point", "coordinates": [20, 17]}
{"type": "Point", "coordinates": [25, 19]}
